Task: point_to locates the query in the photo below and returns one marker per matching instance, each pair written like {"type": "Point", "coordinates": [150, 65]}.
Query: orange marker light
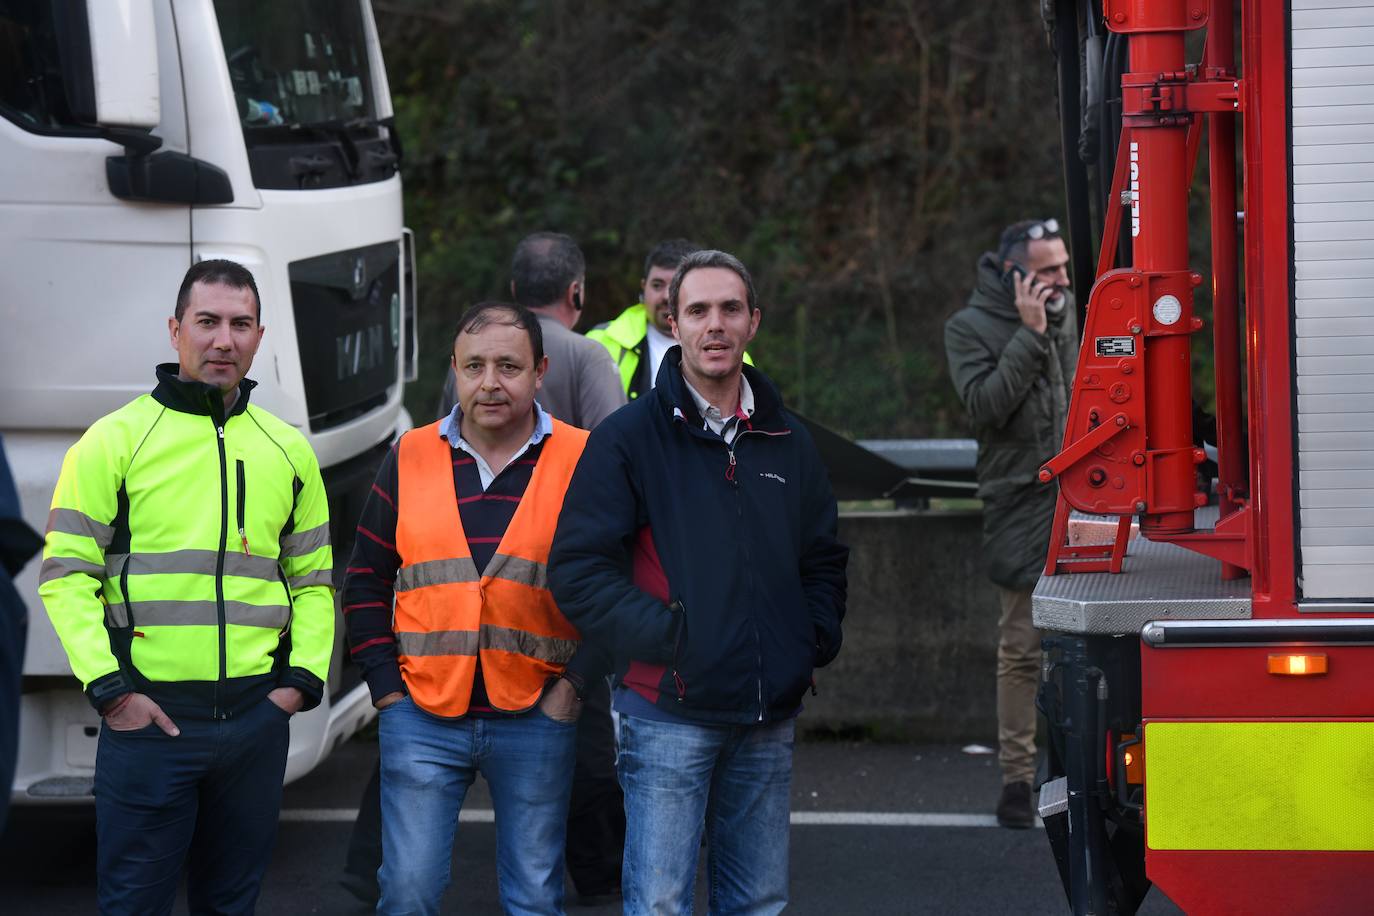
{"type": "Point", "coordinates": [1132, 762]}
{"type": "Point", "coordinates": [1297, 665]}
{"type": "Point", "coordinates": [1134, 774]}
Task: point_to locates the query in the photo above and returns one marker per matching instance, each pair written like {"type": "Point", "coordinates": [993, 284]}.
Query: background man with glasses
{"type": "Point", "coordinates": [1011, 353]}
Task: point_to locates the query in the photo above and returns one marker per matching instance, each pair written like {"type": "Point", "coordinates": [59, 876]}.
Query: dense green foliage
{"type": "Point", "coordinates": [858, 156]}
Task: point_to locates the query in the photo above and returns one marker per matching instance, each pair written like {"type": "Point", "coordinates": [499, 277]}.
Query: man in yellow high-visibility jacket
{"type": "Point", "coordinates": [187, 572]}
{"type": "Point", "coordinates": [638, 337]}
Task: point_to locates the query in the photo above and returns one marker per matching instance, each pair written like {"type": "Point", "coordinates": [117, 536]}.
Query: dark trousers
{"type": "Point", "coordinates": [596, 814]}
{"type": "Point", "coordinates": [365, 842]}
{"type": "Point", "coordinates": [208, 799]}
{"type": "Point", "coordinates": [13, 628]}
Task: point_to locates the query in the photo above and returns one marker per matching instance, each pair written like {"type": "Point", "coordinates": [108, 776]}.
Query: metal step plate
{"type": "Point", "coordinates": [1157, 582]}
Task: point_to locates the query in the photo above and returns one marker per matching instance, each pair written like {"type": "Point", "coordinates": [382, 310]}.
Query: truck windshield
{"type": "Point", "coordinates": [296, 63]}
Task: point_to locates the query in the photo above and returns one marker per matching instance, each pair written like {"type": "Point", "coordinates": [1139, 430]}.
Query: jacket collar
{"type": "Point", "coordinates": [197, 397]}
{"type": "Point", "coordinates": [629, 328]}
{"type": "Point", "coordinates": [671, 390]}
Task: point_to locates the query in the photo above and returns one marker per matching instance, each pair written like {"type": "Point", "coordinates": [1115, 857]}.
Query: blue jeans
{"type": "Point", "coordinates": [428, 763]}
{"type": "Point", "coordinates": [734, 780]}
{"type": "Point", "coordinates": [208, 799]}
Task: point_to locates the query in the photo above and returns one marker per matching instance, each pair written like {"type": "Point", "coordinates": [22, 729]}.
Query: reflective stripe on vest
{"type": "Point", "coordinates": [469, 642]}
{"type": "Point", "coordinates": [447, 614]}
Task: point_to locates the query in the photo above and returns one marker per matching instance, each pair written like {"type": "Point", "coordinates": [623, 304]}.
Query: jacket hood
{"type": "Point", "coordinates": [196, 397]}
{"type": "Point", "coordinates": [991, 295]}
{"type": "Point", "coordinates": [671, 391]}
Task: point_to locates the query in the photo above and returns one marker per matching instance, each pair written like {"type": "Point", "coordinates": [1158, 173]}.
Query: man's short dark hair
{"type": "Point", "coordinates": [216, 272]}
{"type": "Point", "coordinates": [1014, 243]}
{"type": "Point", "coordinates": [544, 265]}
{"type": "Point", "coordinates": [668, 254]}
{"type": "Point", "coordinates": [710, 258]}
{"type": "Point", "coordinates": [508, 313]}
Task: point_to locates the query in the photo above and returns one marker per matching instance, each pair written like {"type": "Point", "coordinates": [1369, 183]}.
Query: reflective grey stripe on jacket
{"type": "Point", "coordinates": [301, 543]}
{"type": "Point", "coordinates": [72, 521]}
{"type": "Point", "coordinates": [196, 614]}
{"type": "Point", "coordinates": [193, 562]}
{"type": "Point", "coordinates": [57, 567]}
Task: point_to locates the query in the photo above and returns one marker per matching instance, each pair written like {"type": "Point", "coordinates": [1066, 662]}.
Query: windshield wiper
{"type": "Point", "coordinates": [342, 130]}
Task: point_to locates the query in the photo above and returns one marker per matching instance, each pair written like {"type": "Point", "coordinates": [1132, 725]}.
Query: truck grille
{"type": "Point", "coordinates": [347, 309]}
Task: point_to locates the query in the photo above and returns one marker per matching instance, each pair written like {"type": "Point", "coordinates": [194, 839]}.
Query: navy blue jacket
{"type": "Point", "coordinates": [711, 572]}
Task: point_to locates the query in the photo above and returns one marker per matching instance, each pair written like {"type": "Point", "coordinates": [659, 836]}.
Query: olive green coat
{"type": "Point", "coordinates": [1015, 385]}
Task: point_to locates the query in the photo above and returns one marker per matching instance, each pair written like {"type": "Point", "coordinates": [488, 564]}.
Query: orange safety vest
{"type": "Point", "coordinates": [447, 614]}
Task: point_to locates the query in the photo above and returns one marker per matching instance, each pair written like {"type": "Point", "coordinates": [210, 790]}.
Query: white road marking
{"type": "Point", "coordinates": [893, 819]}
{"type": "Point", "coordinates": [799, 818]}
{"type": "Point", "coordinates": [349, 815]}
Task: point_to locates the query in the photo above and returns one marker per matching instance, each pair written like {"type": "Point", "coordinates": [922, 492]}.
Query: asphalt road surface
{"type": "Point", "coordinates": [877, 829]}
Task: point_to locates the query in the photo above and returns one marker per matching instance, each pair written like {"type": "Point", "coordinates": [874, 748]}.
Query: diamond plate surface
{"type": "Point", "coordinates": [1157, 582]}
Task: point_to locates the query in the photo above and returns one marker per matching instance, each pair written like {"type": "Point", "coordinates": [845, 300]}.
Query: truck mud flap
{"type": "Point", "coordinates": [1054, 811]}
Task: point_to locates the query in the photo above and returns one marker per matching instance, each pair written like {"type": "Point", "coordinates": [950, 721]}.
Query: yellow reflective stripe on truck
{"type": "Point", "coordinates": [1260, 785]}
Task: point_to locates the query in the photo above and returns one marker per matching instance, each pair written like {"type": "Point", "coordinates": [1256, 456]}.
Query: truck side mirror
{"type": "Point", "coordinates": [109, 64]}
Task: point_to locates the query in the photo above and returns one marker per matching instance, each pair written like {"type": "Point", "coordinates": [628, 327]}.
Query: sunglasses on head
{"type": "Point", "coordinates": [1041, 229]}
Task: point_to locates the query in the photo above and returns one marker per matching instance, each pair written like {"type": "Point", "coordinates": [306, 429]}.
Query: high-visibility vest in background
{"type": "Point", "coordinates": [448, 615]}
{"type": "Point", "coordinates": [625, 338]}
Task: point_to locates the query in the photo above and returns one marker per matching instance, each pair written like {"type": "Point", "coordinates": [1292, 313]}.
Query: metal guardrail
{"type": "Point", "coordinates": [908, 471]}
{"type": "Point", "coordinates": [953, 458]}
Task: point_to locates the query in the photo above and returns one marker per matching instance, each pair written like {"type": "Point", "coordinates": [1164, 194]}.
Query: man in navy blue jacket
{"type": "Point", "coordinates": [697, 542]}
{"type": "Point", "coordinates": [18, 544]}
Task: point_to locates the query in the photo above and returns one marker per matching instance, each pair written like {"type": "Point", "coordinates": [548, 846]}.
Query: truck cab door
{"type": "Point", "coordinates": [87, 279]}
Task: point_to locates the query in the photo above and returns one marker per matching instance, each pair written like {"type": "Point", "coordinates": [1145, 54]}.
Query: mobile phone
{"type": "Point", "coordinates": [1012, 275]}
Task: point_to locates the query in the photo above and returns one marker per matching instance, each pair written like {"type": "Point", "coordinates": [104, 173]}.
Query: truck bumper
{"type": "Point", "coordinates": [58, 734]}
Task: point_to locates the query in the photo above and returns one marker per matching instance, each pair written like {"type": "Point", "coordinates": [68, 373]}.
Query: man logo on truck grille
{"type": "Point", "coordinates": [359, 277]}
{"type": "Point", "coordinates": [359, 351]}
{"type": "Point", "coordinates": [1115, 346]}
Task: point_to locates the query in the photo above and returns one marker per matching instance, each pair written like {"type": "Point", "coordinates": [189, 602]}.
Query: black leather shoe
{"type": "Point", "coordinates": [1014, 807]}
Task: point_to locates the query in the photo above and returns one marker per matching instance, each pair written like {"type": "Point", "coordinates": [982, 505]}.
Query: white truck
{"type": "Point", "coordinates": [138, 137]}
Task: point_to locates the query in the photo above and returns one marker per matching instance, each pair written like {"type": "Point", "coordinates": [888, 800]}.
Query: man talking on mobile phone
{"type": "Point", "coordinates": [1011, 353]}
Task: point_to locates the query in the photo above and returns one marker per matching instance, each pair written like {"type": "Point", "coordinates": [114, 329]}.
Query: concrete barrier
{"type": "Point", "coordinates": [920, 636]}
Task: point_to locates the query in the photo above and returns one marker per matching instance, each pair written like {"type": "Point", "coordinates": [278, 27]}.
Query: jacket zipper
{"type": "Point", "coordinates": [678, 682]}
{"type": "Point", "coordinates": [124, 590]}
{"type": "Point", "coordinates": [744, 546]}
{"type": "Point", "coordinates": [739, 510]}
{"type": "Point", "coordinates": [219, 561]}
{"type": "Point", "coordinates": [242, 498]}
{"type": "Point", "coordinates": [134, 631]}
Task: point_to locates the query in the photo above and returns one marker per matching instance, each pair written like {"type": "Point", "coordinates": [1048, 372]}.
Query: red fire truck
{"type": "Point", "coordinates": [1210, 682]}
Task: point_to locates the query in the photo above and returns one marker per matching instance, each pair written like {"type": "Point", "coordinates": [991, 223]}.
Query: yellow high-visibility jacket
{"type": "Point", "coordinates": [625, 338]}
{"type": "Point", "coordinates": [187, 555]}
